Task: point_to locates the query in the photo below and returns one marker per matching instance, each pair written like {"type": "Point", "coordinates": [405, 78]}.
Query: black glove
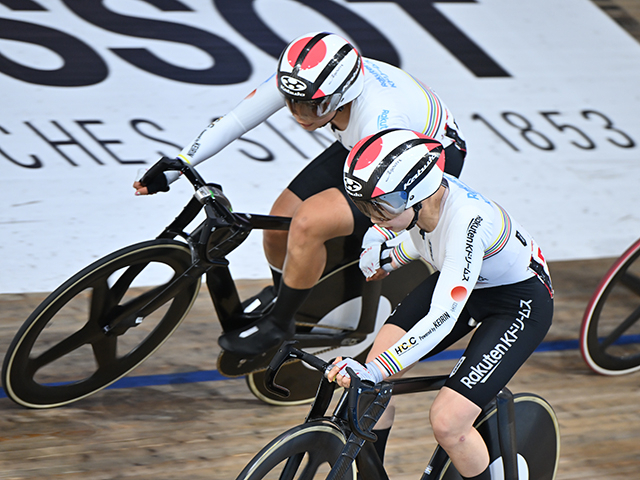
{"type": "Point", "coordinates": [155, 182]}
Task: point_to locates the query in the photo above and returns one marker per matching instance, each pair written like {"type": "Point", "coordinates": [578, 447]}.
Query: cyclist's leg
{"type": "Point", "coordinates": [514, 320]}
{"type": "Point", "coordinates": [324, 172]}
{"type": "Point", "coordinates": [324, 213]}
{"type": "Point", "coordinates": [456, 434]}
{"type": "Point", "coordinates": [275, 241]}
{"type": "Point", "coordinates": [324, 216]}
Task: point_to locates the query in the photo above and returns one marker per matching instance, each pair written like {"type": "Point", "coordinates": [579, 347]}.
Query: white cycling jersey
{"type": "Point", "coordinates": [476, 244]}
{"type": "Point", "coordinates": [391, 98]}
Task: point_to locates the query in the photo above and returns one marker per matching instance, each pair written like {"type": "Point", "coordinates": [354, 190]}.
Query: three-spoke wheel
{"type": "Point", "coordinates": [99, 325]}
{"type": "Point", "coordinates": [307, 452]}
{"type": "Point", "coordinates": [610, 334]}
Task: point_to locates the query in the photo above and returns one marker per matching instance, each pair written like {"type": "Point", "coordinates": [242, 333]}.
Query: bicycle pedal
{"type": "Point", "coordinates": [234, 365]}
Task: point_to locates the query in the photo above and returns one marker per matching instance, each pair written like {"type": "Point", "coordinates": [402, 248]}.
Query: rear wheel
{"type": "Point", "coordinates": [538, 440]}
{"type": "Point", "coordinates": [610, 333]}
{"type": "Point", "coordinates": [305, 452]}
{"type": "Point", "coordinates": [302, 381]}
{"type": "Point", "coordinates": [63, 353]}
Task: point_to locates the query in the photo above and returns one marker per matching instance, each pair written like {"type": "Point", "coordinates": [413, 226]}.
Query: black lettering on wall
{"type": "Point", "coordinates": [136, 125]}
{"type": "Point", "coordinates": [23, 5]}
{"type": "Point", "coordinates": [70, 140]}
{"type": "Point", "coordinates": [35, 164]}
{"type": "Point", "coordinates": [82, 66]}
{"type": "Point", "coordinates": [449, 35]}
{"type": "Point", "coordinates": [242, 16]}
{"type": "Point", "coordinates": [103, 143]}
{"type": "Point", "coordinates": [230, 65]}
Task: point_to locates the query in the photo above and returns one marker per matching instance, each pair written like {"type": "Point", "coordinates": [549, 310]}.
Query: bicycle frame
{"type": "Point", "coordinates": [222, 232]}
{"type": "Point", "coordinates": [358, 427]}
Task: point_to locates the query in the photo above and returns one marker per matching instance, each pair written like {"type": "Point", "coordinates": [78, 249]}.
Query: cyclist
{"type": "Point", "coordinates": [323, 80]}
{"type": "Point", "coordinates": [487, 268]}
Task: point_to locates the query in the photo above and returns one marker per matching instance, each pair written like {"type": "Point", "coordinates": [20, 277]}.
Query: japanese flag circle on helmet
{"type": "Point", "coordinates": [320, 72]}
{"type": "Point", "coordinates": [392, 170]}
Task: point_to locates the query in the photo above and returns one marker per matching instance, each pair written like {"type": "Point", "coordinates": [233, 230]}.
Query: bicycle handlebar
{"type": "Point", "coordinates": [357, 388]}
{"type": "Point", "coordinates": [166, 164]}
{"type": "Point", "coordinates": [286, 352]}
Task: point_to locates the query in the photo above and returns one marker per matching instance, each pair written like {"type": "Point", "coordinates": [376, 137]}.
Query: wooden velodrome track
{"type": "Point", "coordinates": [211, 429]}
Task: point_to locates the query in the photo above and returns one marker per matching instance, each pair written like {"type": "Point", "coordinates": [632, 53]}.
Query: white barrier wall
{"type": "Point", "coordinates": [546, 92]}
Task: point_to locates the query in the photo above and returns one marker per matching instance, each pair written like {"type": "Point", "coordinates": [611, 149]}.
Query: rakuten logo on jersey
{"type": "Point", "coordinates": [481, 372]}
{"type": "Point", "coordinates": [472, 229]}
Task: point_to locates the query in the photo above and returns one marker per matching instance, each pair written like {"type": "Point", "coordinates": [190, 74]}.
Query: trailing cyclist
{"type": "Point", "coordinates": [489, 270]}
{"type": "Point", "coordinates": [323, 81]}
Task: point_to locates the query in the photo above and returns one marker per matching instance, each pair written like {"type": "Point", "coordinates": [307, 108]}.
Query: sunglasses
{"type": "Point", "coordinates": [385, 207]}
{"type": "Point", "coordinates": [314, 108]}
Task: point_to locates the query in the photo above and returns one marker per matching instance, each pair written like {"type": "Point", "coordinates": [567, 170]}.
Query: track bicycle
{"type": "Point", "coordinates": [101, 323]}
{"type": "Point", "coordinates": [610, 332]}
{"type": "Point", "coordinates": [521, 432]}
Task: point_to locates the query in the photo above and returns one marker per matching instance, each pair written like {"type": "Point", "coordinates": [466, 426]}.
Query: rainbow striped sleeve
{"type": "Point", "coordinates": [386, 233]}
{"type": "Point", "coordinates": [503, 237]}
{"type": "Point", "coordinates": [435, 112]}
{"type": "Point", "coordinates": [388, 363]}
{"type": "Point", "coordinates": [401, 255]}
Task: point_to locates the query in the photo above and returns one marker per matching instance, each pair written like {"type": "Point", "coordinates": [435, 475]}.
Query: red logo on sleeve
{"type": "Point", "coordinates": [459, 293]}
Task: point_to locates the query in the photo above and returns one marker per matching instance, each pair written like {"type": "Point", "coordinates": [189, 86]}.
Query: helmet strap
{"type": "Point", "coordinates": [416, 211]}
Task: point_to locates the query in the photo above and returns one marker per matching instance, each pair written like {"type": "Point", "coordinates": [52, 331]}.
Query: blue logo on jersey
{"type": "Point", "coordinates": [382, 77]}
{"type": "Point", "coordinates": [470, 193]}
{"type": "Point", "coordinates": [382, 120]}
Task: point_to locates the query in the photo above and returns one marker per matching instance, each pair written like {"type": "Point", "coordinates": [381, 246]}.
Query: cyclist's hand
{"type": "Point", "coordinates": [371, 260]}
{"type": "Point", "coordinates": [375, 257]}
{"type": "Point", "coordinates": [152, 185]}
{"type": "Point", "coordinates": [140, 188]}
{"type": "Point", "coordinates": [367, 372]}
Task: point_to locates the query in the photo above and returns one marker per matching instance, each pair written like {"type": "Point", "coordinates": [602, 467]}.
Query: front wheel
{"type": "Point", "coordinates": [610, 333]}
{"type": "Point", "coordinates": [66, 349]}
{"type": "Point", "coordinates": [537, 436]}
{"type": "Point", "coordinates": [305, 452]}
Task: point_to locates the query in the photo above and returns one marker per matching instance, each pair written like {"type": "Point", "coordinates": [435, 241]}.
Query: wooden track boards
{"type": "Point", "coordinates": [212, 429]}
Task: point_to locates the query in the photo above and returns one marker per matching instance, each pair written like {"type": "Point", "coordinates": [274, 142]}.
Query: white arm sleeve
{"type": "Point", "coordinates": [259, 105]}
{"type": "Point", "coordinates": [458, 276]}
{"type": "Point", "coordinates": [376, 235]}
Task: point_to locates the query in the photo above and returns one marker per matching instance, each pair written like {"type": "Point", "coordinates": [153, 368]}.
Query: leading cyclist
{"type": "Point", "coordinates": [323, 80]}
{"type": "Point", "coordinates": [488, 268]}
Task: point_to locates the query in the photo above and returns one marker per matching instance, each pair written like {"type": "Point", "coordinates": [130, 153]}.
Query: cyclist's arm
{"type": "Point", "coordinates": [458, 276]}
{"type": "Point", "coordinates": [259, 105]}
{"type": "Point", "coordinates": [403, 253]}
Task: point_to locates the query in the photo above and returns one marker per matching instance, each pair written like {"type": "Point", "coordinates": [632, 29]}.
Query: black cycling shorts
{"type": "Point", "coordinates": [325, 171]}
{"type": "Point", "coordinates": [514, 320]}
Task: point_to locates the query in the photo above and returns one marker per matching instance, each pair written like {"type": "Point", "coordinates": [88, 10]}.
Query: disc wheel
{"type": "Point", "coordinates": [538, 440]}
{"type": "Point", "coordinates": [302, 381]}
{"type": "Point", "coordinates": [610, 333]}
{"type": "Point", "coordinates": [306, 452]}
{"type": "Point", "coordinates": [63, 352]}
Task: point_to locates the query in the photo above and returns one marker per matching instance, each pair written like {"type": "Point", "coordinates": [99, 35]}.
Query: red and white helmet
{"type": "Point", "coordinates": [392, 170]}
{"type": "Point", "coordinates": [320, 72]}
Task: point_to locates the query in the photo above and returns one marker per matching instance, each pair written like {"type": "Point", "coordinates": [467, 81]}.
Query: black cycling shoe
{"type": "Point", "coordinates": [256, 338]}
{"type": "Point", "coordinates": [261, 303]}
